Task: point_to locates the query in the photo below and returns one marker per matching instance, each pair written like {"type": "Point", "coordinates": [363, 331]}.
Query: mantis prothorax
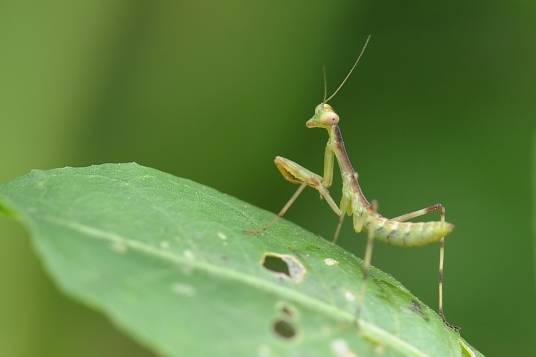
{"type": "Point", "coordinates": [394, 231]}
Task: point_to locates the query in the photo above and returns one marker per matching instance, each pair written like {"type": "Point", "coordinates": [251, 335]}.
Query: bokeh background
{"type": "Point", "coordinates": [441, 109]}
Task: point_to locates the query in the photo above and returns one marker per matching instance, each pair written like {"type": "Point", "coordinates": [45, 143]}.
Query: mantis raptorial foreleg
{"type": "Point", "coordinates": [298, 174]}
{"type": "Point", "coordinates": [329, 163]}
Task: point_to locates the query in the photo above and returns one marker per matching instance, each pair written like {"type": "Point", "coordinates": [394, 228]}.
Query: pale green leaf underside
{"type": "Point", "coordinates": [168, 261]}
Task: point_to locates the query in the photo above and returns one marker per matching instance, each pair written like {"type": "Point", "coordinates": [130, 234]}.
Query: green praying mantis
{"type": "Point", "coordinates": [395, 231]}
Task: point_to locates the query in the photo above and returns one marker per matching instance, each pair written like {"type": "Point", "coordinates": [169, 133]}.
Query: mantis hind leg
{"type": "Point", "coordinates": [442, 212]}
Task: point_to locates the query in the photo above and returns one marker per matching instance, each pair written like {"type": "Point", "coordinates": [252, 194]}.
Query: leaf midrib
{"type": "Point", "coordinates": [368, 329]}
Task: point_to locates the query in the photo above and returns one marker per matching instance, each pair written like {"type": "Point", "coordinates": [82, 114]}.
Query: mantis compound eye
{"type": "Point", "coordinates": [334, 118]}
{"type": "Point", "coordinates": [330, 118]}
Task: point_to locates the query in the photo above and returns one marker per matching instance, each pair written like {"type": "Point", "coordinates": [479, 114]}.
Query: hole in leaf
{"type": "Point", "coordinates": [286, 266]}
{"type": "Point", "coordinates": [284, 329]}
{"type": "Point", "coordinates": [276, 264]}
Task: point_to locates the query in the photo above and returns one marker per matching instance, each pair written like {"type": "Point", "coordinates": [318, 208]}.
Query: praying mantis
{"type": "Point", "coordinates": [395, 231]}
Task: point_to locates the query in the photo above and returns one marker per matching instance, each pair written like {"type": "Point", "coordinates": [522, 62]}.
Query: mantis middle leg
{"type": "Point", "coordinates": [366, 264]}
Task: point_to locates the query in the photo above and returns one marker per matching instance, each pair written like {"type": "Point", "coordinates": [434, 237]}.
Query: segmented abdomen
{"type": "Point", "coordinates": [404, 234]}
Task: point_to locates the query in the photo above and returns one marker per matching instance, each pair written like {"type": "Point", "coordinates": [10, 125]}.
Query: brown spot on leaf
{"type": "Point", "coordinates": [417, 307]}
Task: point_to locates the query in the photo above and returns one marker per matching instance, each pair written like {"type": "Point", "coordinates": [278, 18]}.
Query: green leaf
{"type": "Point", "coordinates": [168, 261]}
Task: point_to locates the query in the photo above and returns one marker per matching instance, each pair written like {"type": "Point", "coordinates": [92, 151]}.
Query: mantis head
{"type": "Point", "coordinates": [324, 117]}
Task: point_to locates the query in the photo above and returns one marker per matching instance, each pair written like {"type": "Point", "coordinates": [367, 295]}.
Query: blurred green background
{"type": "Point", "coordinates": [441, 109]}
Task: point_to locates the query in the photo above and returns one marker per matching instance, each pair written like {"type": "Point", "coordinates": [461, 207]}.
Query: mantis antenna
{"type": "Point", "coordinates": [325, 84]}
{"type": "Point", "coordinates": [351, 70]}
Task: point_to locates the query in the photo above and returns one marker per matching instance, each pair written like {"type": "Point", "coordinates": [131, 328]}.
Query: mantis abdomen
{"type": "Point", "coordinates": [393, 231]}
{"type": "Point", "coordinates": [403, 234]}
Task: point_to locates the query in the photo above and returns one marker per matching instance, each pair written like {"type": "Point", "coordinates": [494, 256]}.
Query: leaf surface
{"type": "Point", "coordinates": [168, 260]}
